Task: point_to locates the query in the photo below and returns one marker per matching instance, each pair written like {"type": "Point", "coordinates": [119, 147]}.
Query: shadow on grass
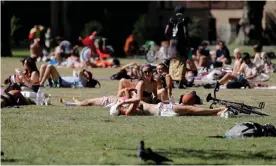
{"type": "Point", "coordinates": [9, 160]}
{"type": "Point", "coordinates": [216, 154]}
{"type": "Point", "coordinates": [210, 155]}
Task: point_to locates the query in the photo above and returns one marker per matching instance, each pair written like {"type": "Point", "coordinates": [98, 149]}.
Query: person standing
{"type": "Point", "coordinates": [177, 33]}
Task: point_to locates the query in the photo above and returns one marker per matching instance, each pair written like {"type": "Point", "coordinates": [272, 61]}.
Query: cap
{"type": "Point", "coordinates": [113, 110]}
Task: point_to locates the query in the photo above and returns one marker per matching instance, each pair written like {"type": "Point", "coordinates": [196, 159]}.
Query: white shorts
{"type": "Point", "coordinates": [108, 101]}
{"type": "Point", "coordinates": [166, 110]}
{"type": "Point", "coordinates": [69, 81]}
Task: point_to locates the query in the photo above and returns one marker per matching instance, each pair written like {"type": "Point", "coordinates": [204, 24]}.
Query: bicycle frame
{"type": "Point", "coordinates": [236, 107]}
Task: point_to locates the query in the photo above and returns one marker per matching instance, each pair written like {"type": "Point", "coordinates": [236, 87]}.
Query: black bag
{"type": "Point", "coordinates": [237, 84]}
{"type": "Point", "coordinates": [121, 74]}
{"type": "Point", "coordinates": [92, 83]}
{"type": "Point", "coordinates": [250, 129]}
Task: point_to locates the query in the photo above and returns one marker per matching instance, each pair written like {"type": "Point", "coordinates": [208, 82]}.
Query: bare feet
{"type": "Point", "coordinates": [223, 109]}
{"type": "Point", "coordinates": [75, 100]}
{"type": "Point", "coordinates": [61, 100]}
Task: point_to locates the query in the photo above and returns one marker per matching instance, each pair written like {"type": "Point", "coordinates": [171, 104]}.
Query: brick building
{"type": "Point", "coordinates": [218, 19]}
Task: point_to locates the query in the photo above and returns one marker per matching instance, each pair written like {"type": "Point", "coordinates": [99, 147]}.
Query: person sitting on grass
{"type": "Point", "coordinates": [235, 74]}
{"type": "Point", "coordinates": [36, 50]}
{"type": "Point", "coordinates": [249, 70]}
{"type": "Point", "coordinates": [164, 82]}
{"type": "Point", "coordinates": [146, 87]}
{"type": "Point", "coordinates": [73, 59]}
{"type": "Point", "coordinates": [29, 78]}
{"type": "Point", "coordinates": [84, 78]}
{"type": "Point", "coordinates": [222, 54]}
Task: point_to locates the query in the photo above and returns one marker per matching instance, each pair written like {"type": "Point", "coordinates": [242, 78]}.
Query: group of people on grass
{"type": "Point", "coordinates": [143, 89]}
{"type": "Point", "coordinates": [94, 51]}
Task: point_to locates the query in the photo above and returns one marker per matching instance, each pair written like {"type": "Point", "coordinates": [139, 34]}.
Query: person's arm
{"type": "Point", "coordinates": [134, 103]}
{"type": "Point", "coordinates": [241, 69]}
{"type": "Point", "coordinates": [125, 92]}
{"type": "Point", "coordinates": [155, 91]}
{"type": "Point", "coordinates": [255, 58]}
{"type": "Point", "coordinates": [253, 74]}
{"type": "Point", "coordinates": [169, 84]}
{"type": "Point", "coordinates": [129, 64]}
{"type": "Point", "coordinates": [236, 66]}
{"type": "Point", "coordinates": [34, 79]}
{"type": "Point", "coordinates": [140, 88]}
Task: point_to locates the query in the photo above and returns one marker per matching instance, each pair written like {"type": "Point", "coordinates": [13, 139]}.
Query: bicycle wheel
{"type": "Point", "coordinates": [249, 111]}
{"type": "Point", "coordinates": [150, 56]}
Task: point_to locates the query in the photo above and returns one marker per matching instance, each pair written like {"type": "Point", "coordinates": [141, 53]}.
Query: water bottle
{"type": "Point", "coordinates": [58, 84]}
{"type": "Point", "coordinates": [39, 97]}
{"type": "Point", "coordinates": [267, 68]}
{"type": "Point", "coordinates": [75, 84]}
{"type": "Point", "coordinates": [211, 67]}
{"type": "Point", "coordinates": [172, 100]}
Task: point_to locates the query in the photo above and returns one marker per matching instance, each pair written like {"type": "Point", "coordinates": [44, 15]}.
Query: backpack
{"type": "Point", "coordinates": [250, 129]}
{"type": "Point", "coordinates": [121, 74]}
{"type": "Point", "coordinates": [92, 83]}
{"type": "Point", "coordinates": [237, 84]}
{"type": "Point", "coordinates": [176, 24]}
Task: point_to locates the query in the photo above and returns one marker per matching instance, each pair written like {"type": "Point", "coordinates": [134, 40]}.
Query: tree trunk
{"type": "Point", "coordinates": [66, 24]}
{"type": "Point", "coordinates": [6, 30]}
{"type": "Point", "coordinates": [251, 23]}
{"type": "Point", "coordinates": [55, 18]}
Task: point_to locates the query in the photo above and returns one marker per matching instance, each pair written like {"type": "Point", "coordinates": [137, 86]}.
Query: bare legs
{"type": "Point", "coordinates": [47, 72]}
{"type": "Point", "coordinates": [192, 110]}
{"type": "Point", "coordinates": [88, 102]}
{"type": "Point", "coordinates": [226, 78]}
{"type": "Point", "coordinates": [18, 96]}
{"type": "Point", "coordinates": [124, 83]}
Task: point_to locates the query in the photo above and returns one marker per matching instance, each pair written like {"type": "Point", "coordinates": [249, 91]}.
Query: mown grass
{"type": "Point", "coordinates": [88, 135]}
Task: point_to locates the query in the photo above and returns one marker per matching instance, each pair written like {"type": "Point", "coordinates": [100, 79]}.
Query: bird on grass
{"type": "Point", "coordinates": [148, 154]}
{"type": "Point", "coordinates": [2, 153]}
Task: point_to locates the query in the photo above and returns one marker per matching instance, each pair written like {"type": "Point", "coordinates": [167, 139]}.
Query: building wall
{"type": "Point", "coordinates": [226, 13]}
{"type": "Point", "coordinates": [226, 30]}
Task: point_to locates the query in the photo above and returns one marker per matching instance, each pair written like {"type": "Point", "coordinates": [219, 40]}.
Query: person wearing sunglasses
{"type": "Point", "coordinates": [147, 87]}
{"type": "Point", "coordinates": [164, 82]}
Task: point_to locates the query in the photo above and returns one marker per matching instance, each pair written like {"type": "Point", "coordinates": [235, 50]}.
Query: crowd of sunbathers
{"type": "Point", "coordinates": [95, 51]}
{"type": "Point", "coordinates": [143, 89]}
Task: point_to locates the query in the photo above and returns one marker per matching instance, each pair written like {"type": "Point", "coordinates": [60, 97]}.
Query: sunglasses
{"type": "Point", "coordinates": [147, 72]}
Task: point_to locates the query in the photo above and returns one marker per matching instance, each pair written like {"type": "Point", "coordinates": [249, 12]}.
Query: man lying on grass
{"type": "Point", "coordinates": [134, 106]}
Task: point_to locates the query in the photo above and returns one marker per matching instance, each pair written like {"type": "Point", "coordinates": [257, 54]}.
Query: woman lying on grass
{"type": "Point", "coordinates": [84, 78]}
{"type": "Point", "coordinates": [134, 106]}
{"type": "Point", "coordinates": [12, 96]}
{"type": "Point", "coordinates": [105, 101]}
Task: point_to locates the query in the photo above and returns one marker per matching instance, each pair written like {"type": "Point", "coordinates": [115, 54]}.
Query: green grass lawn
{"type": "Point", "coordinates": [88, 135]}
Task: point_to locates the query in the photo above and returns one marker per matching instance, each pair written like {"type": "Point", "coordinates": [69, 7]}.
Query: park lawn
{"type": "Point", "coordinates": [88, 135]}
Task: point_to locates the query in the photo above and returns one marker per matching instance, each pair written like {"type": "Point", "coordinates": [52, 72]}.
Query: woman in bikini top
{"type": "Point", "coordinates": [29, 80]}
{"type": "Point", "coordinates": [147, 86]}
